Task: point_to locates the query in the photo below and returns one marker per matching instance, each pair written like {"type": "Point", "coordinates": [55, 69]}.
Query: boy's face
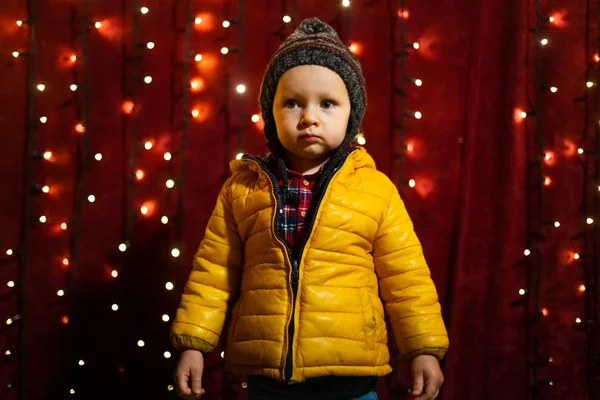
{"type": "Point", "coordinates": [311, 111]}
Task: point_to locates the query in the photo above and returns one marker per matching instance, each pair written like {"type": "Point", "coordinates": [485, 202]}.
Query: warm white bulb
{"type": "Point", "coordinates": [418, 82]}
{"type": "Point", "coordinates": [287, 19]}
{"type": "Point", "coordinates": [198, 20]}
{"type": "Point", "coordinates": [60, 293]}
{"type": "Point", "coordinates": [141, 343]}
{"type": "Point", "coordinates": [412, 183]}
{"type": "Point", "coordinates": [576, 256]}
{"type": "Point", "coordinates": [198, 57]}
{"type": "Point", "coordinates": [578, 320]}
{"type": "Point", "coordinates": [521, 292]}
{"type": "Point", "coordinates": [98, 25]}
{"type": "Point", "coordinates": [589, 221]}
{"type": "Point", "coordinates": [15, 54]}
{"type": "Point", "coordinates": [46, 189]}
{"type": "Point", "coordinates": [224, 50]}
{"type": "Point", "coordinates": [544, 42]}
{"type": "Point", "coordinates": [222, 354]}
{"type": "Point", "coordinates": [554, 89]}
{"type": "Point", "coordinates": [144, 210]}
{"type": "Point", "coordinates": [73, 87]}
{"type": "Point", "coordinates": [91, 198]}
{"type": "Point", "coordinates": [164, 219]}
{"type": "Point", "coordinates": [122, 247]}
{"type": "Point", "coordinates": [240, 88]}
{"type": "Point", "coordinates": [148, 79]}
{"type": "Point", "coordinates": [81, 363]}
{"type": "Point", "coordinates": [557, 224]}
{"type": "Point", "coordinates": [115, 307]}
{"type": "Point", "coordinates": [165, 318]}
{"type": "Point", "coordinates": [167, 156]}
{"type": "Point", "coordinates": [580, 151]}
{"type": "Point", "coordinates": [361, 140]}
{"type": "Point", "coordinates": [41, 87]}
{"type": "Point", "coordinates": [346, 3]}
{"type": "Point", "coordinates": [9, 252]}
{"type": "Point", "coordinates": [167, 354]}
{"type": "Point", "coordinates": [169, 285]}
{"type": "Point", "coordinates": [148, 145]}
{"type": "Point", "coordinates": [226, 24]}
{"type": "Point", "coordinates": [170, 388]}
{"type": "Point", "coordinates": [114, 273]}
{"type": "Point", "coordinates": [9, 321]}
{"type": "Point", "coordinates": [8, 352]}
{"type": "Point", "coordinates": [144, 10]}
{"type": "Point", "coordinates": [170, 183]}
{"type": "Point", "coordinates": [175, 253]}
{"type": "Point", "coordinates": [72, 391]}
{"type": "Point", "coordinates": [418, 115]}
{"type": "Point", "coordinates": [150, 45]}
{"type": "Point", "coordinates": [255, 118]}
{"type": "Point", "coordinates": [43, 120]}
{"type": "Point", "coordinates": [10, 284]}
{"type": "Point", "coordinates": [589, 84]}
{"type": "Point", "coordinates": [527, 252]}
{"type": "Point", "coordinates": [43, 219]}
{"type": "Point", "coordinates": [239, 156]}
{"type": "Point", "coordinates": [98, 157]}
{"type": "Point", "coordinates": [416, 46]}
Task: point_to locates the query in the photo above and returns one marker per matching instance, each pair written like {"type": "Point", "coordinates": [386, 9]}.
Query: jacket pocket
{"type": "Point", "coordinates": [369, 318]}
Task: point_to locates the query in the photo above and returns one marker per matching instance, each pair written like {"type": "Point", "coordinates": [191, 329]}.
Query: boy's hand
{"type": "Point", "coordinates": [426, 374]}
{"type": "Point", "coordinates": [188, 375]}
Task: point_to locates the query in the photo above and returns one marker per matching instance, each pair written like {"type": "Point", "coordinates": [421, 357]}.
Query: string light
{"type": "Point", "coordinates": [164, 219]}
{"type": "Point", "coordinates": [60, 293]}
{"type": "Point", "coordinates": [98, 25]}
{"type": "Point", "coordinates": [47, 155]}
{"type": "Point", "coordinates": [65, 261]}
{"type": "Point", "coordinates": [139, 174]}
{"type": "Point", "coordinates": [148, 145]}
{"type": "Point", "coordinates": [416, 46]}
{"type": "Point", "coordinates": [10, 284]}
{"type": "Point", "coordinates": [197, 20]}
{"type": "Point", "coordinates": [581, 288]}
{"type": "Point", "coordinates": [73, 87]}
{"type": "Point", "coordinates": [239, 156]}
{"type": "Point", "coordinates": [169, 286]}
{"type": "Point", "coordinates": [41, 87]}
{"type": "Point", "coordinates": [580, 151]}
{"type": "Point", "coordinates": [144, 10]}
{"type": "Point", "coordinates": [589, 84]}
{"type": "Point", "coordinates": [547, 181]}
{"type": "Point", "coordinates": [589, 221]}
{"type": "Point", "coordinates": [287, 19]}
{"type": "Point", "coordinates": [240, 88]}
{"type": "Point", "coordinates": [63, 226]}
{"type": "Point", "coordinates": [224, 50]}
{"type": "Point", "coordinates": [545, 312]}
{"type": "Point", "coordinates": [123, 247]}
{"type": "Point", "coordinates": [148, 79]}
{"type": "Point", "coordinates": [98, 157]}
{"type": "Point", "coordinates": [553, 89]}
{"type": "Point", "coordinates": [361, 140]}
{"type": "Point", "coordinates": [522, 292]}
{"type": "Point", "coordinates": [16, 54]}
{"type": "Point", "coordinates": [81, 363]}
{"type": "Point", "coordinates": [255, 118]}
{"type": "Point", "coordinates": [198, 57]}
{"type": "Point", "coordinates": [79, 128]}
{"type": "Point", "coordinates": [576, 256]}
{"type": "Point", "coordinates": [19, 23]}
{"type": "Point", "coordinates": [43, 219]}
{"type": "Point", "coordinates": [150, 45]}
{"type": "Point", "coordinates": [170, 183]}
{"type": "Point", "coordinates": [167, 156]}
{"type": "Point", "coordinates": [167, 354]}
{"type": "Point", "coordinates": [527, 252]}
{"type": "Point", "coordinates": [175, 252]}
{"type": "Point", "coordinates": [412, 183]}
{"type": "Point", "coordinates": [544, 42]}
{"type": "Point", "coordinates": [115, 307]}
{"type": "Point", "coordinates": [346, 3]}
{"type": "Point", "coordinates": [91, 198]}
{"type": "Point", "coordinates": [557, 224]}
{"type": "Point", "coordinates": [165, 318]}
{"type": "Point", "coordinates": [141, 343]}
{"type": "Point", "coordinates": [43, 120]}
{"type": "Point", "coordinates": [226, 24]}
{"type": "Point", "coordinates": [114, 273]}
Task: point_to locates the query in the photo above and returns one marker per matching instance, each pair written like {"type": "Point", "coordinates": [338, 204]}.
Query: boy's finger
{"type": "Point", "coordinates": [181, 381]}
{"type": "Point", "coordinates": [430, 391]}
{"type": "Point", "coordinates": [417, 387]}
{"type": "Point", "coordinates": [197, 382]}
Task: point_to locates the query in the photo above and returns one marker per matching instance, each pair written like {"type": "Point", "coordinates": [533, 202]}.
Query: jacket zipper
{"type": "Point", "coordinates": [295, 273]}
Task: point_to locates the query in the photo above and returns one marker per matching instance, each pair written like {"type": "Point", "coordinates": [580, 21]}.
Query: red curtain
{"type": "Point", "coordinates": [469, 160]}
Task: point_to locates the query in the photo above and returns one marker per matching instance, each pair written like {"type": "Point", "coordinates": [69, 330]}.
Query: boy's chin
{"type": "Point", "coordinates": [312, 154]}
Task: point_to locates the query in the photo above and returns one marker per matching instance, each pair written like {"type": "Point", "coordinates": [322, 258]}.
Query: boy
{"type": "Point", "coordinates": [307, 247]}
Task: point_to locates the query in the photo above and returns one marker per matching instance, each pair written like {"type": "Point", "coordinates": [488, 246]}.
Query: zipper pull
{"type": "Point", "coordinates": [295, 272]}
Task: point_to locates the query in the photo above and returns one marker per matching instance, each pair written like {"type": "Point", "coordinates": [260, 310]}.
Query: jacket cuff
{"type": "Point", "coordinates": [183, 342]}
{"type": "Point", "coordinates": [437, 352]}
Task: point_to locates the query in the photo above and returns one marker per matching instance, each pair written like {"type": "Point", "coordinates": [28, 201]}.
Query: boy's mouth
{"type": "Point", "coordinates": [309, 136]}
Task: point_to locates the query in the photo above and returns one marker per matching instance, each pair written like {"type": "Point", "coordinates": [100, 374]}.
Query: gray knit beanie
{"type": "Point", "coordinates": [314, 43]}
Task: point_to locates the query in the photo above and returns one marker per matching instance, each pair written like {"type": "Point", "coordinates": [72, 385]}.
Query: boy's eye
{"type": "Point", "coordinates": [291, 103]}
{"type": "Point", "coordinates": [327, 104]}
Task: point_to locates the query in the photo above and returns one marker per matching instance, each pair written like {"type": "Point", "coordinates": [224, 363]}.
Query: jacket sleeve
{"type": "Point", "coordinates": [213, 283]}
{"type": "Point", "coordinates": [406, 288]}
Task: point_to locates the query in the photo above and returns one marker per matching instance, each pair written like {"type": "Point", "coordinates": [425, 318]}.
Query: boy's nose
{"type": "Point", "coordinates": [309, 118]}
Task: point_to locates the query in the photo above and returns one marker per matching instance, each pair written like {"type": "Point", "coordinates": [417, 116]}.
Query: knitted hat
{"type": "Point", "coordinates": [314, 43]}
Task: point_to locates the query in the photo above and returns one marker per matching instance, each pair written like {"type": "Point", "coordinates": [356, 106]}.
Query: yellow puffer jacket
{"type": "Point", "coordinates": [361, 262]}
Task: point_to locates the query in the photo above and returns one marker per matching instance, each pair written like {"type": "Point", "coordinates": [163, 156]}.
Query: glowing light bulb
{"type": "Point", "coordinates": [544, 42]}
{"type": "Point", "coordinates": [418, 82]}
{"type": "Point", "coordinates": [73, 58]}
{"type": "Point", "coordinates": [148, 79]}
{"type": "Point", "coordinates": [416, 45]}
{"type": "Point", "coordinates": [580, 151]}
{"type": "Point", "coordinates": [9, 252]}
{"type": "Point", "coordinates": [175, 253]}
{"type": "Point", "coordinates": [148, 145]}
{"type": "Point", "coordinates": [557, 224]}
{"type": "Point", "coordinates": [98, 25]}
{"type": "Point", "coordinates": [122, 247]}
{"type": "Point", "coordinates": [410, 147]}
{"type": "Point", "coordinates": [198, 57]}
{"type": "Point", "coordinates": [15, 54]}
{"type": "Point", "coordinates": [361, 140]}
{"type": "Point", "coordinates": [43, 219]}
{"type": "Point", "coordinates": [576, 256]}
{"type": "Point", "coordinates": [527, 252]}
{"type": "Point", "coordinates": [589, 84]}
{"type": "Point", "coordinates": [577, 320]}
{"type": "Point", "coordinates": [46, 189]}
{"type": "Point", "coordinates": [47, 155]}
{"type": "Point", "coordinates": [170, 183]}
{"type": "Point", "coordinates": [412, 183]}
{"type": "Point", "coordinates": [114, 273]}
{"type": "Point", "coordinates": [169, 285]}
{"type": "Point", "coordinates": [554, 89]}
{"type": "Point", "coordinates": [165, 318]}
{"type": "Point", "coordinates": [195, 113]}
{"type": "Point", "coordinates": [8, 352]}
{"type": "Point", "coordinates": [167, 156]}
{"type": "Point", "coordinates": [9, 321]}
{"type": "Point", "coordinates": [226, 24]}
{"type": "Point", "coordinates": [72, 391]}
{"type": "Point", "coordinates": [10, 284]}
{"type": "Point", "coordinates": [239, 156]}
{"type": "Point", "coordinates": [170, 388]}
{"type": "Point", "coordinates": [139, 174]}
{"type": "Point", "coordinates": [41, 87]}
{"type": "Point", "coordinates": [144, 10]}
{"type": "Point", "coordinates": [91, 198]}
{"type": "Point", "coordinates": [418, 115]}
{"type": "Point", "coordinates": [98, 157]}
{"type": "Point", "coordinates": [522, 292]}
{"type": "Point", "coordinates": [73, 87]}
{"type": "Point", "coordinates": [545, 312]}
{"type": "Point", "coordinates": [255, 118]}
{"type": "Point", "coordinates": [141, 343]}
{"type": "Point", "coordinates": [65, 261]}
{"type": "Point", "coordinates": [224, 50]}
{"type": "Point", "coordinates": [222, 354]}
{"type": "Point", "coordinates": [19, 23]}
{"type": "Point", "coordinates": [115, 307]}
{"type": "Point", "coordinates": [547, 181]}
{"type": "Point", "coordinates": [551, 19]}
{"type": "Point", "coordinates": [346, 3]}
{"type": "Point", "coordinates": [43, 120]}
{"type": "Point", "coordinates": [353, 48]}
{"type": "Point", "coordinates": [164, 219]}
{"type": "Point", "coordinates": [79, 128]}
{"type": "Point", "coordinates": [81, 363]}
{"type": "Point", "coordinates": [197, 20]}
{"type": "Point", "coordinates": [167, 354]}
{"type": "Point", "coordinates": [287, 19]}
{"type": "Point", "coordinates": [523, 114]}
{"type": "Point", "coordinates": [581, 288]}
{"type": "Point", "coordinates": [589, 221]}
{"type": "Point", "coordinates": [150, 45]}
{"type": "Point", "coordinates": [240, 88]}
{"type": "Point", "coordinates": [63, 226]}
